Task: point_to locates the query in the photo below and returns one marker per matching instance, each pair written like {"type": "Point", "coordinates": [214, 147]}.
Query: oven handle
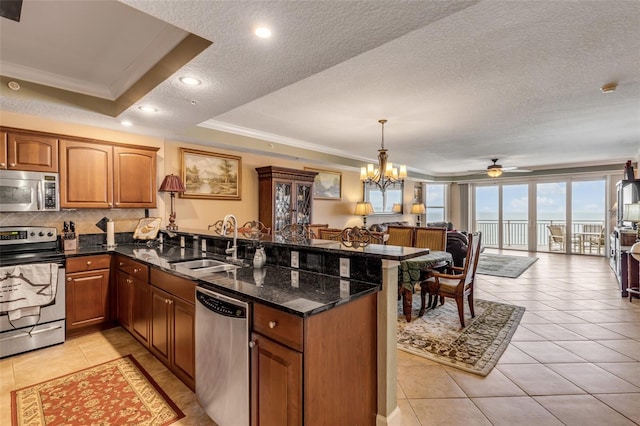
{"type": "Point", "coordinates": [39, 195]}
{"type": "Point", "coordinates": [42, 330]}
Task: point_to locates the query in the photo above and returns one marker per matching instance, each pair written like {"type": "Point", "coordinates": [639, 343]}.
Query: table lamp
{"type": "Point", "coordinates": [172, 184]}
{"type": "Point", "coordinates": [418, 209]}
{"type": "Point", "coordinates": [397, 208]}
{"type": "Point", "coordinates": [631, 213]}
{"type": "Point", "coordinates": [364, 209]}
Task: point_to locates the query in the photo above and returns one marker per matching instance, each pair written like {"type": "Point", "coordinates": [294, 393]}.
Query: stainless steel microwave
{"type": "Point", "coordinates": [29, 191]}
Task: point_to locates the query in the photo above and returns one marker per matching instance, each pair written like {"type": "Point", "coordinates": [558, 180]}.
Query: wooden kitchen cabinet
{"type": "Point", "coordinates": [172, 331]}
{"type": "Point", "coordinates": [28, 152]}
{"type": "Point", "coordinates": [100, 175]}
{"type": "Point", "coordinates": [133, 297]}
{"type": "Point", "coordinates": [285, 196]}
{"type": "Point", "coordinates": [307, 370]}
{"type": "Point", "coordinates": [87, 293]}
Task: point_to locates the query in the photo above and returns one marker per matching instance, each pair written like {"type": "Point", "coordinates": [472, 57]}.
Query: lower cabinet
{"type": "Point", "coordinates": [318, 370]}
{"type": "Point", "coordinates": [172, 324]}
{"type": "Point", "coordinates": [132, 299]}
{"type": "Point", "coordinates": [87, 293]}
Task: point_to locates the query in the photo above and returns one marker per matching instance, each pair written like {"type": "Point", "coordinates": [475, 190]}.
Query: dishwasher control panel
{"type": "Point", "coordinates": [221, 307]}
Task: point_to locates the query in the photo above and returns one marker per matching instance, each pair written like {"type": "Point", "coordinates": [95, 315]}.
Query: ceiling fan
{"type": "Point", "coordinates": [494, 170]}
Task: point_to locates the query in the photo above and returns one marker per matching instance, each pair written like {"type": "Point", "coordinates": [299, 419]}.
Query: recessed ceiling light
{"type": "Point", "coordinates": [126, 123]}
{"type": "Point", "coordinates": [13, 85]}
{"type": "Point", "coordinates": [263, 32]}
{"type": "Point", "coordinates": [147, 108]}
{"type": "Point", "coordinates": [190, 81]}
{"type": "Point", "coordinates": [609, 88]}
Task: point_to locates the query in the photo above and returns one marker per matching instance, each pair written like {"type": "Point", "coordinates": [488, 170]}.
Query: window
{"type": "Point", "coordinates": [435, 202]}
{"type": "Point", "coordinates": [383, 202]}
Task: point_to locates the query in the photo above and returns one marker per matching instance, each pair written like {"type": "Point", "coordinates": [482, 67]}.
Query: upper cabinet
{"type": "Point", "coordinates": [98, 175]}
{"type": "Point", "coordinates": [29, 152]}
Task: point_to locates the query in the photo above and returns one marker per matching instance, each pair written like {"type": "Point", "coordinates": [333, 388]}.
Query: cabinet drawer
{"type": "Point", "coordinates": [88, 263]}
{"type": "Point", "coordinates": [279, 326]}
{"type": "Point", "coordinates": [131, 267]}
{"type": "Point", "coordinates": [177, 286]}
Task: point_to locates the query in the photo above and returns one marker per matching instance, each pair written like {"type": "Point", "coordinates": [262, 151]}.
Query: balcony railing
{"type": "Point", "coordinates": [516, 232]}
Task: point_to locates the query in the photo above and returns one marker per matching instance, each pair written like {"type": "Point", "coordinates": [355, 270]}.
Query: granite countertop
{"type": "Point", "coordinates": [291, 290]}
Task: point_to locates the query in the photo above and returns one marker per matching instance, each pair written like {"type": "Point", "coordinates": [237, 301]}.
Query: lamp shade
{"type": "Point", "coordinates": [363, 209]}
{"type": "Point", "coordinates": [418, 208]}
{"type": "Point", "coordinates": [397, 208]}
{"type": "Point", "coordinates": [171, 183]}
{"type": "Point", "coordinates": [631, 212]}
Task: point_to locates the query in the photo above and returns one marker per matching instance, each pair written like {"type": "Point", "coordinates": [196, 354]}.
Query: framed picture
{"type": "Point", "coordinates": [327, 185]}
{"type": "Point", "coordinates": [210, 175]}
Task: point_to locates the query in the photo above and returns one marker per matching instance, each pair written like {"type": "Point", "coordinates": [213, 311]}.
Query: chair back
{"type": "Point", "coordinates": [556, 232]}
{"type": "Point", "coordinates": [377, 237]}
{"type": "Point", "coordinates": [431, 238]}
{"type": "Point", "coordinates": [356, 237]}
{"type": "Point", "coordinates": [330, 234]}
{"type": "Point", "coordinates": [294, 232]}
{"type": "Point", "coordinates": [314, 229]}
{"type": "Point", "coordinates": [471, 263]}
{"type": "Point", "coordinates": [254, 229]}
{"type": "Point", "coordinates": [592, 227]}
{"type": "Point", "coordinates": [400, 236]}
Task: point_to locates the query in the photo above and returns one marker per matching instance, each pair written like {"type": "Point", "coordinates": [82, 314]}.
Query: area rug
{"type": "Point", "coordinates": [476, 348]}
{"type": "Point", "coordinates": [501, 265]}
{"type": "Point", "coordinates": [118, 392]}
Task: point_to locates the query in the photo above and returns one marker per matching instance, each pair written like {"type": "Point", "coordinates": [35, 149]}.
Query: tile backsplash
{"type": "Point", "coordinates": [85, 219]}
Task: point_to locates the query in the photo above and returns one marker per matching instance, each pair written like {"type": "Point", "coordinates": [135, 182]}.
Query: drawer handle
{"type": "Point", "coordinates": [12, 164]}
{"type": "Point", "coordinates": [88, 262]}
{"type": "Point", "coordinates": [136, 270]}
{"type": "Point", "coordinates": [272, 324]}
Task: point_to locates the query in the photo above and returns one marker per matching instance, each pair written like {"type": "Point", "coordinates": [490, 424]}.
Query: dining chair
{"type": "Point", "coordinates": [592, 237]}
{"type": "Point", "coordinates": [254, 229]}
{"type": "Point", "coordinates": [431, 238]}
{"type": "Point", "coordinates": [314, 229]}
{"type": "Point", "coordinates": [457, 284]}
{"type": "Point", "coordinates": [356, 237]}
{"type": "Point", "coordinates": [400, 236]}
{"type": "Point", "coordinates": [330, 234]}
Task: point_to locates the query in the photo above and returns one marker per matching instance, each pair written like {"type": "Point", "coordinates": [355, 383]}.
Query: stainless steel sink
{"type": "Point", "coordinates": [203, 266]}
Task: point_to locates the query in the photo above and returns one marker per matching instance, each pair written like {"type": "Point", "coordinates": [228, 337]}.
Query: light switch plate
{"type": "Point", "coordinates": [294, 259]}
{"type": "Point", "coordinates": [345, 267]}
{"type": "Point", "coordinates": [295, 279]}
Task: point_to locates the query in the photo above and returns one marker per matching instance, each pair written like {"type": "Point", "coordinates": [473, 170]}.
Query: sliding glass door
{"type": "Point", "coordinates": [502, 215]}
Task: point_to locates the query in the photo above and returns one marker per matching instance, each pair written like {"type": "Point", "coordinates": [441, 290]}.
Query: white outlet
{"type": "Point", "coordinates": [295, 279]}
{"type": "Point", "coordinates": [345, 267]}
{"type": "Point", "coordinates": [294, 259]}
{"type": "Point", "coordinates": [344, 289]}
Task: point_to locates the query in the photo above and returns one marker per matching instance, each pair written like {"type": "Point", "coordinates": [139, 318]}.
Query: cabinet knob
{"type": "Point", "coordinates": [253, 343]}
{"type": "Point", "coordinates": [272, 324]}
{"type": "Point", "coordinates": [136, 270]}
{"type": "Point", "coordinates": [12, 164]}
{"type": "Point", "coordinates": [121, 263]}
{"type": "Point", "coordinates": [129, 280]}
{"type": "Point", "coordinates": [3, 165]}
{"type": "Point", "coordinates": [88, 263]}
{"type": "Point", "coordinates": [69, 279]}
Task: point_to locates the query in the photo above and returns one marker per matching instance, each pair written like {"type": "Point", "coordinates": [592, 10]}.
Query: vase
{"type": "Point", "coordinates": [260, 258]}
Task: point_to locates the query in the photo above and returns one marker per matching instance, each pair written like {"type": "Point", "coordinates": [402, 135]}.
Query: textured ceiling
{"type": "Point", "coordinates": [459, 82]}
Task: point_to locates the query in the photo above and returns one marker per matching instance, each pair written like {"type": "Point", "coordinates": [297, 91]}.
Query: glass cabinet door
{"type": "Point", "coordinates": [282, 205]}
{"type": "Point", "coordinates": [303, 203]}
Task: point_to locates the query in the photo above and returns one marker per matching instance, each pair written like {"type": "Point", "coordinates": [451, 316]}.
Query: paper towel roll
{"type": "Point", "coordinates": [111, 237]}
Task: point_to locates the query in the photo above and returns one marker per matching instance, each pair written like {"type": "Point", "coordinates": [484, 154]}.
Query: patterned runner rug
{"type": "Point", "coordinates": [118, 392]}
{"type": "Point", "coordinates": [502, 265]}
{"type": "Point", "coordinates": [476, 348]}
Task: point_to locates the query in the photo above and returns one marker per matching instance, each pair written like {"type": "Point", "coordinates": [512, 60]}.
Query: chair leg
{"type": "Point", "coordinates": [407, 300]}
{"type": "Point", "coordinates": [460, 303]}
{"type": "Point", "coordinates": [470, 299]}
{"type": "Point", "coordinates": [423, 296]}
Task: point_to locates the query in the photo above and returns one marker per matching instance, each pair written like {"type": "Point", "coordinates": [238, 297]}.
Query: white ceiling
{"type": "Point", "coordinates": [459, 82]}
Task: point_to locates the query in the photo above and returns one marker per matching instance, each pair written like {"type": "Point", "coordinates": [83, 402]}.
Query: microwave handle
{"type": "Point", "coordinates": [39, 195]}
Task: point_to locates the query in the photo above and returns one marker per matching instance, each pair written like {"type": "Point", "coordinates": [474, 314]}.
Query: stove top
{"type": "Point", "coordinates": [29, 244]}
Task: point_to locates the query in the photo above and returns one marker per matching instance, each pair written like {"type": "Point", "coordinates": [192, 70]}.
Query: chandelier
{"type": "Point", "coordinates": [385, 175]}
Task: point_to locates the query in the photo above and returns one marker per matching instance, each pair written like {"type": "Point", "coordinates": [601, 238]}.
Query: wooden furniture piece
{"type": "Point", "coordinates": [557, 237]}
{"type": "Point", "coordinates": [633, 275]}
{"type": "Point", "coordinates": [431, 238]}
{"type": "Point", "coordinates": [285, 196]}
{"type": "Point", "coordinates": [101, 175]}
{"type": "Point", "coordinates": [87, 293]}
{"type": "Point", "coordinates": [591, 237]}
{"type": "Point", "coordinates": [314, 229]}
{"type": "Point", "coordinates": [330, 234]}
{"type": "Point", "coordinates": [400, 236]}
{"type": "Point", "coordinates": [254, 229]}
{"type": "Point", "coordinates": [172, 325]}
{"type": "Point", "coordinates": [291, 383]}
{"type": "Point", "coordinates": [28, 151]}
{"type": "Point", "coordinates": [133, 296]}
{"type": "Point", "coordinates": [457, 285]}
{"type": "Point", "coordinates": [412, 272]}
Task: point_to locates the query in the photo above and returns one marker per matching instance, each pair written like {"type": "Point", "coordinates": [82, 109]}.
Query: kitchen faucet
{"type": "Point", "coordinates": [233, 250]}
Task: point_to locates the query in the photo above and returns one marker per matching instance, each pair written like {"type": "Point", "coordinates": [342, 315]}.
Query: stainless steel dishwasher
{"type": "Point", "coordinates": [222, 357]}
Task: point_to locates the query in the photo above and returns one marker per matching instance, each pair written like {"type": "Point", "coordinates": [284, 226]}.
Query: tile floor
{"type": "Point", "coordinates": [574, 360]}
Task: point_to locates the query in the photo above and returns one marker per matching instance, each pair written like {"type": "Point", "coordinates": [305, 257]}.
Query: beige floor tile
{"type": "Point", "coordinates": [547, 352]}
{"type": "Point", "coordinates": [629, 371]}
{"type": "Point", "coordinates": [537, 379]}
{"type": "Point", "coordinates": [531, 318]}
{"type": "Point", "coordinates": [494, 384]}
{"type": "Point", "coordinates": [559, 317]}
{"type": "Point", "coordinates": [593, 331]}
{"type": "Point", "coordinates": [624, 403]}
{"type": "Point", "coordinates": [580, 410]}
{"type": "Point", "coordinates": [513, 355]}
{"type": "Point", "coordinates": [593, 351]}
{"type": "Point", "coordinates": [6, 375]}
{"type": "Point", "coordinates": [448, 412]}
{"type": "Point", "coordinates": [428, 382]}
{"type": "Point", "coordinates": [592, 378]}
{"type": "Point", "coordinates": [628, 329]}
{"type": "Point", "coordinates": [407, 414]}
{"type": "Point", "coordinates": [554, 332]}
{"type": "Point", "coordinates": [406, 359]}
{"type": "Point", "coordinates": [630, 348]}
{"type": "Point", "coordinates": [523, 334]}
{"type": "Point", "coordinates": [516, 410]}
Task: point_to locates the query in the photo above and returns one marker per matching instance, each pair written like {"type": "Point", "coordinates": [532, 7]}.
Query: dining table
{"type": "Point", "coordinates": [412, 271]}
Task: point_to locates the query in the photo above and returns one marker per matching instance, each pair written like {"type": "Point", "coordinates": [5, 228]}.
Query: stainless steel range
{"type": "Point", "coordinates": [32, 289]}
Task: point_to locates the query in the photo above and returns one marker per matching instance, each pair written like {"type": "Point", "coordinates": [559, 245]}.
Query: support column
{"type": "Point", "coordinates": [388, 411]}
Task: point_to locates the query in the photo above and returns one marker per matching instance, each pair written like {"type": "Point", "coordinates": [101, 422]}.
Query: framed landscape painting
{"type": "Point", "coordinates": [327, 185]}
{"type": "Point", "coordinates": [210, 175]}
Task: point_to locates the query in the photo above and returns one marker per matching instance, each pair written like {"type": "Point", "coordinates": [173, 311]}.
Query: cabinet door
{"type": "Point", "coordinates": [140, 312]}
{"type": "Point", "coordinates": [160, 334]}
{"type": "Point", "coordinates": [276, 384]}
{"type": "Point", "coordinates": [124, 285]}
{"type": "Point", "coordinates": [32, 152]}
{"type": "Point", "coordinates": [134, 174]}
{"type": "Point", "coordinates": [304, 196]}
{"type": "Point", "coordinates": [87, 298]}
{"type": "Point", "coordinates": [282, 204]}
{"type": "Point", "coordinates": [86, 175]}
{"type": "Point", "coordinates": [184, 360]}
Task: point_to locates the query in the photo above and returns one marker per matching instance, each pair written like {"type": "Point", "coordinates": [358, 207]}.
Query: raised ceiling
{"type": "Point", "coordinates": [459, 82]}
